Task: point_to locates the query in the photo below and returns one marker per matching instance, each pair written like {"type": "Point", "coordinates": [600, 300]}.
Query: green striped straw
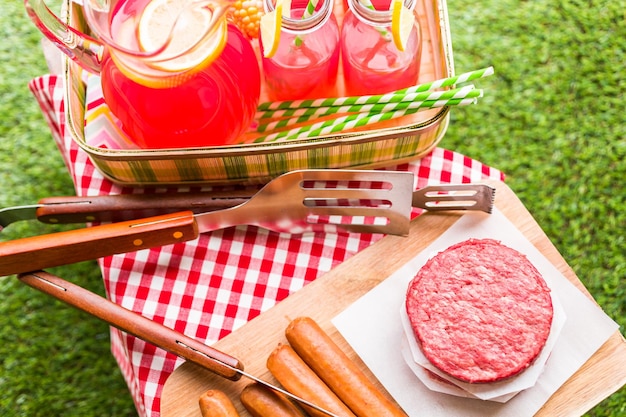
{"type": "Point", "coordinates": [397, 102]}
{"type": "Point", "coordinates": [383, 32]}
{"type": "Point", "coordinates": [375, 99]}
{"type": "Point", "coordinates": [308, 12]}
{"type": "Point", "coordinates": [338, 101]}
{"type": "Point", "coordinates": [372, 109]}
{"type": "Point", "coordinates": [310, 9]}
{"type": "Point", "coordinates": [447, 82]}
{"type": "Point", "coordinates": [357, 120]}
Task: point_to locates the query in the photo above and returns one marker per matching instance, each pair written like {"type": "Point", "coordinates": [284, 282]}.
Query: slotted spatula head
{"type": "Point", "coordinates": [324, 201]}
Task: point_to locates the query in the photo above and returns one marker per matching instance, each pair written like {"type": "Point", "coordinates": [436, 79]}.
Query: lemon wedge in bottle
{"type": "Point", "coordinates": [402, 22]}
{"type": "Point", "coordinates": [159, 19]}
{"type": "Point", "coordinates": [270, 27]}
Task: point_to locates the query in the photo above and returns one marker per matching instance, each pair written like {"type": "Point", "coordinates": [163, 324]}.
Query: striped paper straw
{"type": "Point", "coordinates": [339, 101]}
{"type": "Point", "coordinates": [415, 100]}
{"type": "Point", "coordinates": [446, 82]}
{"type": "Point", "coordinates": [387, 98]}
{"type": "Point", "coordinates": [310, 9]}
{"type": "Point", "coordinates": [383, 32]}
{"type": "Point", "coordinates": [350, 101]}
{"type": "Point", "coordinates": [308, 12]}
{"type": "Point", "coordinates": [356, 120]}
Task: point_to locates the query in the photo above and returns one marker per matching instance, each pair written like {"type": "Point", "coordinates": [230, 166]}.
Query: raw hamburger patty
{"type": "Point", "coordinates": [480, 310]}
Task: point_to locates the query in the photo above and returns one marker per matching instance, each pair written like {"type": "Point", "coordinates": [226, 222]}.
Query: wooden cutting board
{"type": "Point", "coordinates": [330, 294]}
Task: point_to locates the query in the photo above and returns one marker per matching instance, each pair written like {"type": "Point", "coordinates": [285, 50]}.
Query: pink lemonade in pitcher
{"type": "Point", "coordinates": [172, 104]}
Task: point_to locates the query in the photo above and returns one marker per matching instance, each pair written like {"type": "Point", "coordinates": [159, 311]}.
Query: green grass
{"type": "Point", "coordinates": [552, 120]}
{"type": "Point", "coordinates": [54, 360]}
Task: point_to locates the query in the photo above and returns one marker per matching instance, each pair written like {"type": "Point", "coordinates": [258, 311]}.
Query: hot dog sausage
{"type": "Point", "coordinates": [291, 371]}
{"type": "Point", "coordinates": [215, 403]}
{"type": "Point", "coordinates": [338, 371]}
{"type": "Point", "coordinates": [263, 402]}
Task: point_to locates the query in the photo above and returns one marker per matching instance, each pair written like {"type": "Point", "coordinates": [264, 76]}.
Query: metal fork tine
{"type": "Point", "coordinates": [459, 196]}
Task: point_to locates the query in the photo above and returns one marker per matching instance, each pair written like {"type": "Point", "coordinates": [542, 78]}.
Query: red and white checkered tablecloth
{"type": "Point", "coordinates": [211, 286]}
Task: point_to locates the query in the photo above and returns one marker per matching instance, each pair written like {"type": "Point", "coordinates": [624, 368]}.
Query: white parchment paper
{"type": "Point", "coordinates": [373, 328]}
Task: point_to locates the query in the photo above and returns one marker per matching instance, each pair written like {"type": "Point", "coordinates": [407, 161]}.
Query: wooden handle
{"type": "Point", "coordinates": [115, 208]}
{"type": "Point", "coordinates": [63, 248]}
{"type": "Point", "coordinates": [135, 324]}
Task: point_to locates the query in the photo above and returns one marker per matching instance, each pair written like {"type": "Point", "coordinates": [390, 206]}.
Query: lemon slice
{"type": "Point", "coordinates": [402, 22]}
{"type": "Point", "coordinates": [156, 23]}
{"type": "Point", "coordinates": [270, 27]}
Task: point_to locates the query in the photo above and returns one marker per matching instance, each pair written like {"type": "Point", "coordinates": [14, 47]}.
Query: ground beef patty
{"type": "Point", "coordinates": [480, 310]}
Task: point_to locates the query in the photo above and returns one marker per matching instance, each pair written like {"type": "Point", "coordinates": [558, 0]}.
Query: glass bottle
{"type": "Point", "coordinates": [372, 64]}
{"type": "Point", "coordinates": [306, 62]}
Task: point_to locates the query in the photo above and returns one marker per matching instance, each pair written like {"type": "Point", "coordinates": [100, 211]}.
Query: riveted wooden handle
{"type": "Point", "coordinates": [63, 248]}
{"type": "Point", "coordinates": [135, 324]}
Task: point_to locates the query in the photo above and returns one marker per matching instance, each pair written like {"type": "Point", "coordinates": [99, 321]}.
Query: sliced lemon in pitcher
{"type": "Point", "coordinates": [158, 20]}
{"type": "Point", "coordinates": [402, 22]}
{"type": "Point", "coordinates": [270, 27]}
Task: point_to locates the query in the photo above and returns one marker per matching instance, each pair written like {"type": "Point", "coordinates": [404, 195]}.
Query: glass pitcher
{"type": "Point", "coordinates": [174, 72]}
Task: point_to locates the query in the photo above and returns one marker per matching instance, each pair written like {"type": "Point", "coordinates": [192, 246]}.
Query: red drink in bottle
{"type": "Point", "coordinates": [305, 64]}
{"type": "Point", "coordinates": [372, 64]}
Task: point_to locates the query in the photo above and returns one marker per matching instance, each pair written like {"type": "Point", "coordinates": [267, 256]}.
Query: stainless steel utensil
{"type": "Point", "coordinates": [115, 208]}
{"type": "Point", "coordinates": [475, 197]}
{"type": "Point", "coordinates": [296, 202]}
{"type": "Point", "coordinates": [159, 335]}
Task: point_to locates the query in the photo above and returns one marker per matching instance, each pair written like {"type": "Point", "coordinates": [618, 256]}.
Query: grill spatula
{"type": "Point", "coordinates": [297, 202]}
